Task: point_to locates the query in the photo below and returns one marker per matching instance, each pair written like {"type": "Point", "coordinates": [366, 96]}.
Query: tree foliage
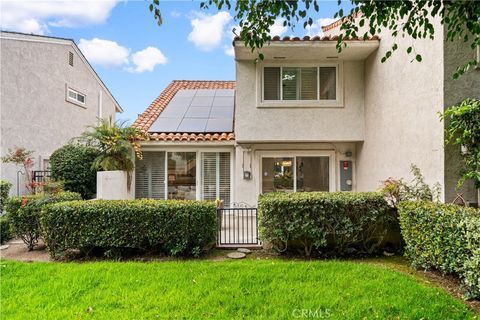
{"type": "Point", "coordinates": [412, 18]}
{"type": "Point", "coordinates": [463, 129]}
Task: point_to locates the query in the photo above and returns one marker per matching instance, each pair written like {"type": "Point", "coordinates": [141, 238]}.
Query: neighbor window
{"type": "Point", "coordinates": [75, 96]}
{"type": "Point", "coordinates": [299, 83]}
{"type": "Point", "coordinates": [295, 174]}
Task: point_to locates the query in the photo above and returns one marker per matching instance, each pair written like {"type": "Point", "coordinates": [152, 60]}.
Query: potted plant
{"type": "Point", "coordinates": [118, 145]}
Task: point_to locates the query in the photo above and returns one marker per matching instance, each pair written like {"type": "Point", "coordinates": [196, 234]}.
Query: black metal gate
{"type": "Point", "coordinates": [237, 227]}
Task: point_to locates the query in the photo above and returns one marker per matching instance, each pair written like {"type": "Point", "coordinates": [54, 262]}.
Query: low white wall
{"type": "Point", "coordinates": [112, 185]}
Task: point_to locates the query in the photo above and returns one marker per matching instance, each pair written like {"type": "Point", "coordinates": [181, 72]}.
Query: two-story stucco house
{"type": "Point", "coordinates": [49, 93]}
{"type": "Point", "coordinates": [307, 118]}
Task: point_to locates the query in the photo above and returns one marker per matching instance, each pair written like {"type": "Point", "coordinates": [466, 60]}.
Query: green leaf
{"type": "Point", "coordinates": [418, 58]}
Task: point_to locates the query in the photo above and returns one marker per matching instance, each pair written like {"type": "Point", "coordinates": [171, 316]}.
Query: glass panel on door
{"type": "Point", "coordinates": [312, 174]}
{"type": "Point", "coordinates": [277, 175]}
{"type": "Point", "coordinates": [181, 179]}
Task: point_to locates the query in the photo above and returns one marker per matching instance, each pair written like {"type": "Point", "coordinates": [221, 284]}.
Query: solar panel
{"type": "Point", "coordinates": [196, 111]}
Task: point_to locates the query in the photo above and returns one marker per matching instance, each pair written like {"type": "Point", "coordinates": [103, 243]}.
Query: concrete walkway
{"type": "Point", "coordinates": [17, 250]}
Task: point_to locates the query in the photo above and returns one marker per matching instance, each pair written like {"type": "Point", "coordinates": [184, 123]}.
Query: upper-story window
{"type": "Point", "coordinates": [300, 83]}
{"type": "Point", "coordinates": [75, 96]}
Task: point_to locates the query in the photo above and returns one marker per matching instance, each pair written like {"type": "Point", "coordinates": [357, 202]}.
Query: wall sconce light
{"type": "Point", "coordinates": [348, 154]}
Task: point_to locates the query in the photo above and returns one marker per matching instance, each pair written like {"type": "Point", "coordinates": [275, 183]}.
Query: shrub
{"type": "Point", "coordinates": [72, 164]}
{"type": "Point", "coordinates": [445, 237]}
{"type": "Point", "coordinates": [5, 187]}
{"type": "Point", "coordinates": [5, 229]}
{"type": "Point", "coordinates": [173, 227]}
{"type": "Point", "coordinates": [339, 221]}
{"type": "Point", "coordinates": [24, 213]}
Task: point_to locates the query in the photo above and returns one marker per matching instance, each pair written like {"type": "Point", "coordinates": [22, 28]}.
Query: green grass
{"type": "Point", "coordinates": [269, 289]}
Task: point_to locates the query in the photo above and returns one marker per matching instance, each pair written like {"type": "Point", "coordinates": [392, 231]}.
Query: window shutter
{"type": "Point", "coordinates": [308, 89]}
{"type": "Point", "coordinates": [209, 176]}
{"type": "Point", "coordinates": [271, 83]}
{"type": "Point", "coordinates": [216, 176]}
{"type": "Point", "coordinates": [150, 176]}
{"type": "Point", "coordinates": [224, 179]}
{"type": "Point", "coordinates": [290, 83]}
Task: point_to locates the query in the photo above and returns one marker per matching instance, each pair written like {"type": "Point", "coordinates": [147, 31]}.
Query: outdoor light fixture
{"type": "Point", "coordinates": [348, 154]}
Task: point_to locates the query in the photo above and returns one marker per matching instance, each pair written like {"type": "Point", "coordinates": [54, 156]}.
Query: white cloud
{"type": "Point", "coordinates": [278, 29]}
{"type": "Point", "coordinates": [208, 31]}
{"type": "Point", "coordinates": [175, 14]}
{"type": "Point", "coordinates": [316, 28]}
{"type": "Point", "coordinates": [110, 54]}
{"type": "Point", "coordinates": [147, 59]}
{"type": "Point", "coordinates": [37, 16]}
{"type": "Point", "coordinates": [229, 50]}
{"type": "Point", "coordinates": [105, 53]}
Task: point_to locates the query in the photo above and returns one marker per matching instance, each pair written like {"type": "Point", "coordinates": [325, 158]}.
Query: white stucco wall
{"type": "Point", "coordinates": [33, 108]}
{"type": "Point", "coordinates": [281, 124]}
{"type": "Point", "coordinates": [402, 104]}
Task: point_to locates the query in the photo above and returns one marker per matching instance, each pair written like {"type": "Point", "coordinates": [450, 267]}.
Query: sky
{"type": "Point", "coordinates": [134, 56]}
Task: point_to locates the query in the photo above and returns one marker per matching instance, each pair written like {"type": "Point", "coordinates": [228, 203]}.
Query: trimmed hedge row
{"type": "Point", "coordinates": [342, 222]}
{"type": "Point", "coordinates": [445, 237]}
{"type": "Point", "coordinates": [172, 227]}
{"type": "Point", "coordinates": [24, 213]}
{"type": "Point", "coordinates": [5, 229]}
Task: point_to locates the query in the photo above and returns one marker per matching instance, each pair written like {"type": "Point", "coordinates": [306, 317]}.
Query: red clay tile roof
{"type": "Point", "coordinates": [315, 38]}
{"type": "Point", "coordinates": [339, 22]}
{"type": "Point", "coordinates": [148, 117]}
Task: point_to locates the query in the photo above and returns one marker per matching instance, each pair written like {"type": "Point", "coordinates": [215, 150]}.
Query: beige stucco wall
{"type": "Point", "coordinates": [402, 104]}
{"type": "Point", "coordinates": [467, 86]}
{"type": "Point", "coordinates": [33, 108]}
{"type": "Point", "coordinates": [248, 157]}
{"type": "Point", "coordinates": [345, 123]}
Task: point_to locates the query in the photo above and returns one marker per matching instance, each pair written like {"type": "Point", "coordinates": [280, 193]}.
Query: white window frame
{"type": "Point", "coordinates": [73, 100]}
{"type": "Point", "coordinates": [332, 178]}
{"type": "Point", "coordinates": [198, 163]}
{"type": "Point", "coordinates": [338, 102]}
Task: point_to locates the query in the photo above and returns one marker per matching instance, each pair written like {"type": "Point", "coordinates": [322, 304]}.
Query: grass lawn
{"type": "Point", "coordinates": [268, 289]}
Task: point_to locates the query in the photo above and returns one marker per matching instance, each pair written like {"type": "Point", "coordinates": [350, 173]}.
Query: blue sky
{"type": "Point", "coordinates": [135, 57]}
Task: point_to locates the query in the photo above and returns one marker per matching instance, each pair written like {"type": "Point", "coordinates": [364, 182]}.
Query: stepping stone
{"type": "Point", "coordinates": [244, 250]}
{"type": "Point", "coordinates": [5, 246]}
{"type": "Point", "coordinates": [236, 255]}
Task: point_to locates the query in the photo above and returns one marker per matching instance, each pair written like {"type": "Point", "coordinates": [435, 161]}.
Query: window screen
{"type": "Point", "coordinates": [328, 83]}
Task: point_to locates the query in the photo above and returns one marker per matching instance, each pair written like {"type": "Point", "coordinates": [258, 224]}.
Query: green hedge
{"type": "Point", "coordinates": [5, 229]}
{"type": "Point", "coordinates": [445, 237]}
{"type": "Point", "coordinates": [172, 227]}
{"type": "Point", "coordinates": [24, 213]}
{"type": "Point", "coordinates": [73, 164]}
{"type": "Point", "coordinates": [340, 222]}
{"type": "Point", "coordinates": [5, 187]}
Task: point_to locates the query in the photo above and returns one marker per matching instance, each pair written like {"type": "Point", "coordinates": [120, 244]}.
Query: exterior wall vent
{"type": "Point", "coordinates": [70, 58]}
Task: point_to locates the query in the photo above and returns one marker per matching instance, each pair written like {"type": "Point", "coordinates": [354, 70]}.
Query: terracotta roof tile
{"type": "Point", "coordinates": [148, 117]}
{"type": "Point", "coordinates": [340, 21]}
{"type": "Point", "coordinates": [315, 38]}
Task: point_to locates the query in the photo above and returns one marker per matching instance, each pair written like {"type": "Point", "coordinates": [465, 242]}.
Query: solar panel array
{"type": "Point", "coordinates": [198, 110]}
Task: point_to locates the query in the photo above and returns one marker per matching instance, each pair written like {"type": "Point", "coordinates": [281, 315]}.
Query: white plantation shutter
{"type": "Point", "coordinates": [308, 88]}
{"type": "Point", "coordinates": [150, 176]}
{"type": "Point", "coordinates": [271, 83]}
{"type": "Point", "coordinates": [216, 176]}
{"type": "Point", "coordinates": [224, 178]}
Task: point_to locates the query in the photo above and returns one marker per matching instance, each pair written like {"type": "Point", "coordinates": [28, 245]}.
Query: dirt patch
{"type": "Point", "coordinates": [17, 250]}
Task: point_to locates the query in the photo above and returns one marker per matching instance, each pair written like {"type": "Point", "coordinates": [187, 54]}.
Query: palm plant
{"type": "Point", "coordinates": [118, 145]}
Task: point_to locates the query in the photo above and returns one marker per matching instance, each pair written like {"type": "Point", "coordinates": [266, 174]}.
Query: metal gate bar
{"type": "Point", "coordinates": [237, 226]}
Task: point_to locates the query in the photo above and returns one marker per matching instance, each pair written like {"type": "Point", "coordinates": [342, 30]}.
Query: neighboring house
{"type": "Point", "coordinates": [307, 118]}
{"type": "Point", "coordinates": [49, 93]}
